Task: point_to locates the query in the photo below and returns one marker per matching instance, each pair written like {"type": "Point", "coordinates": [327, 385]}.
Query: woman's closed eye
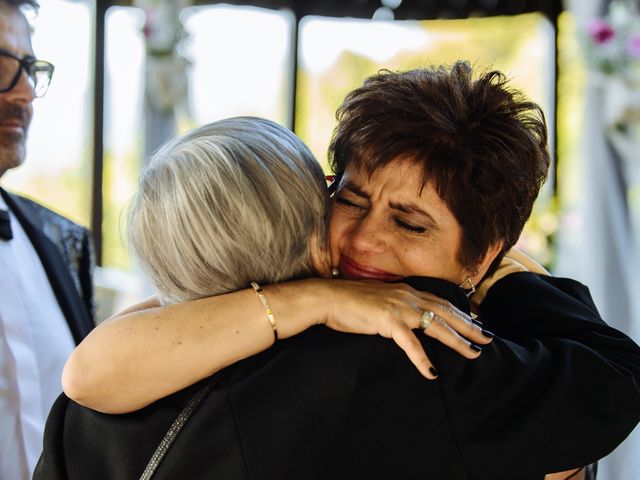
{"type": "Point", "coordinates": [409, 227]}
{"type": "Point", "coordinates": [348, 203]}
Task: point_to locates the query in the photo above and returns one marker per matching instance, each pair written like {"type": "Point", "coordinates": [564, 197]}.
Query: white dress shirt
{"type": "Point", "coordinates": [34, 345]}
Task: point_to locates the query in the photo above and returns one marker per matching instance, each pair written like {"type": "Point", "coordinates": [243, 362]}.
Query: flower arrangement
{"type": "Point", "coordinates": [612, 51]}
{"type": "Point", "coordinates": [613, 42]}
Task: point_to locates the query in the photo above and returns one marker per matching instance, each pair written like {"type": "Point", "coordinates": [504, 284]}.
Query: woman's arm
{"type": "Point", "coordinates": [513, 262]}
{"type": "Point", "coordinates": [148, 352]}
{"type": "Point", "coordinates": [556, 388]}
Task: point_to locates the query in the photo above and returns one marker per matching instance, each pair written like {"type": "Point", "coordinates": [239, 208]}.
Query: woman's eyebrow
{"type": "Point", "coordinates": [353, 188]}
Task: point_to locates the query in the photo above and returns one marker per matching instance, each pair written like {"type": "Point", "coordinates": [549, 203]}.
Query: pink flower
{"type": "Point", "coordinates": [149, 20]}
{"type": "Point", "coordinates": [600, 31]}
{"type": "Point", "coordinates": [633, 45]}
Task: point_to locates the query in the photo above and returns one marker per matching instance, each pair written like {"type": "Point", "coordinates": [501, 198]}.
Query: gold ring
{"type": "Point", "coordinates": [425, 319]}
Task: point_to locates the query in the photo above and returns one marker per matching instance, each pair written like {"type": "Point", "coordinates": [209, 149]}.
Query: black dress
{"type": "Point", "coordinates": [556, 389]}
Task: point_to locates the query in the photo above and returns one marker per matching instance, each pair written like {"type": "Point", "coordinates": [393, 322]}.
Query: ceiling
{"type": "Point", "coordinates": [408, 9]}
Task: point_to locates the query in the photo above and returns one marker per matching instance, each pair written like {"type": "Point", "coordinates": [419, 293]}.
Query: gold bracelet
{"type": "Point", "coordinates": [270, 316]}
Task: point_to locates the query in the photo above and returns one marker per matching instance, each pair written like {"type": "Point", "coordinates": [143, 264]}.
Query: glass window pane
{"type": "Point", "coordinates": [58, 167]}
{"type": "Point", "coordinates": [241, 62]}
{"type": "Point", "coordinates": [124, 127]}
{"type": "Point", "coordinates": [239, 65]}
{"type": "Point", "coordinates": [571, 111]}
{"type": "Point", "coordinates": [337, 54]}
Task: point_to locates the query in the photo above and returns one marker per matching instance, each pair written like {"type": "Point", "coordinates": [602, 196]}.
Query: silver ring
{"type": "Point", "coordinates": [425, 319]}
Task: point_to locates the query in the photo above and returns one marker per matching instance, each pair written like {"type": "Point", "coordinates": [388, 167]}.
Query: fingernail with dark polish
{"type": "Point", "coordinates": [433, 371]}
{"type": "Point", "coordinates": [476, 322]}
{"type": "Point", "coordinates": [487, 333]}
{"type": "Point", "coordinates": [475, 347]}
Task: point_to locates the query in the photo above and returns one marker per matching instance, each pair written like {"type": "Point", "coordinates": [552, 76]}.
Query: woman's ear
{"type": "Point", "coordinates": [319, 256]}
{"type": "Point", "coordinates": [485, 263]}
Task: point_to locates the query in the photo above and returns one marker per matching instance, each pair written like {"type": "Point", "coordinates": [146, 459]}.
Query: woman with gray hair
{"type": "Point", "coordinates": [234, 201]}
{"type": "Point", "coordinates": [225, 205]}
{"type": "Point", "coordinates": [240, 201]}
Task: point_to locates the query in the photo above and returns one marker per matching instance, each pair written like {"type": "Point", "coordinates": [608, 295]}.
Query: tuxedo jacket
{"type": "Point", "coordinates": [556, 389]}
{"type": "Point", "coordinates": [66, 252]}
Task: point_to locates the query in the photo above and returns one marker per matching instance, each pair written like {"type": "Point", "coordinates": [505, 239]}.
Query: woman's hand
{"type": "Point", "coordinates": [394, 310]}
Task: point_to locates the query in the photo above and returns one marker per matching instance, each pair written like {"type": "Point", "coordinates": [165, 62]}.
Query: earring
{"type": "Point", "coordinates": [335, 272]}
{"type": "Point", "coordinates": [468, 291]}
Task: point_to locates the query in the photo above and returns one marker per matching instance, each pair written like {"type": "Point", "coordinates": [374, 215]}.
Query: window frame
{"type": "Point", "coordinates": [408, 9]}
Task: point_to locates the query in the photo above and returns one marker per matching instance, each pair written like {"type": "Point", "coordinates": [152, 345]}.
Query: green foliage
{"type": "Point", "coordinates": [537, 238]}
{"type": "Point", "coordinates": [119, 184]}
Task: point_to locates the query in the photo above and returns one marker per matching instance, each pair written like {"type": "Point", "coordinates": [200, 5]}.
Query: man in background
{"type": "Point", "coordinates": [45, 266]}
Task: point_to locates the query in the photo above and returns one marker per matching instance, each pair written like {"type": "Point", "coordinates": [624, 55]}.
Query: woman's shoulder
{"type": "Point", "coordinates": [526, 288]}
{"type": "Point", "coordinates": [514, 261]}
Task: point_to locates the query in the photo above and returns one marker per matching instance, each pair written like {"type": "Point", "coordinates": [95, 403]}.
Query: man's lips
{"type": "Point", "coordinates": [12, 124]}
{"type": "Point", "coordinates": [15, 117]}
{"type": "Point", "coordinates": [352, 269]}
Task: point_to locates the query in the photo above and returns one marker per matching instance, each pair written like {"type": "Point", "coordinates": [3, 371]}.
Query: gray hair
{"type": "Point", "coordinates": [228, 203]}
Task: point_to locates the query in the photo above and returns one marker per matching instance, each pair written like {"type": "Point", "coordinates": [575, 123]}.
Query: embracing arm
{"type": "Point", "coordinates": [557, 388]}
{"type": "Point", "coordinates": [513, 262]}
{"type": "Point", "coordinates": [148, 352]}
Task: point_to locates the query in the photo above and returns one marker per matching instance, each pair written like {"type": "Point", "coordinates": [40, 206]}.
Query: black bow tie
{"type": "Point", "coordinates": [5, 226]}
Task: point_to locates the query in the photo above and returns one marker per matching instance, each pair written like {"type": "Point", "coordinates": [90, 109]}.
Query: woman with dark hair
{"type": "Point", "coordinates": [475, 147]}
{"type": "Point", "coordinates": [436, 174]}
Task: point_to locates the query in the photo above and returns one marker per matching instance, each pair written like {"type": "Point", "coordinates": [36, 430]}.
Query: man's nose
{"type": "Point", "coordinates": [23, 92]}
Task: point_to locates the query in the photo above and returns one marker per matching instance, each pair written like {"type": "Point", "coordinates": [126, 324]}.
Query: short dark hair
{"type": "Point", "coordinates": [481, 143]}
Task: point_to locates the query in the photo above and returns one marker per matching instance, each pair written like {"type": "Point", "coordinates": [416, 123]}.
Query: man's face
{"type": "Point", "coordinates": [15, 105]}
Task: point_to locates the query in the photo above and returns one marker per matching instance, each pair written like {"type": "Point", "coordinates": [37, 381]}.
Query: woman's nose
{"type": "Point", "coordinates": [368, 235]}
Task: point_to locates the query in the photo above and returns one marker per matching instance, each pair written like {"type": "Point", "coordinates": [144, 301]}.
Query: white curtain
{"type": "Point", "coordinates": [600, 248]}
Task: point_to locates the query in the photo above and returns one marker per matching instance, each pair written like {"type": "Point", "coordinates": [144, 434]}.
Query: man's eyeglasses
{"type": "Point", "coordinates": [39, 73]}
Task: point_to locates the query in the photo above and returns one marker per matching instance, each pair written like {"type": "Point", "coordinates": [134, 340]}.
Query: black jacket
{"type": "Point", "coordinates": [66, 252]}
{"type": "Point", "coordinates": [556, 389]}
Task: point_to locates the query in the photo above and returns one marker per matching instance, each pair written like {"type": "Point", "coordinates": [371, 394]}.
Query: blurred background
{"type": "Point", "coordinates": [130, 74]}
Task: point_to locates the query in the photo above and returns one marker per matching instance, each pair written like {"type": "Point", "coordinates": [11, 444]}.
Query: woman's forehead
{"type": "Point", "coordinates": [407, 174]}
{"type": "Point", "coordinates": [400, 182]}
